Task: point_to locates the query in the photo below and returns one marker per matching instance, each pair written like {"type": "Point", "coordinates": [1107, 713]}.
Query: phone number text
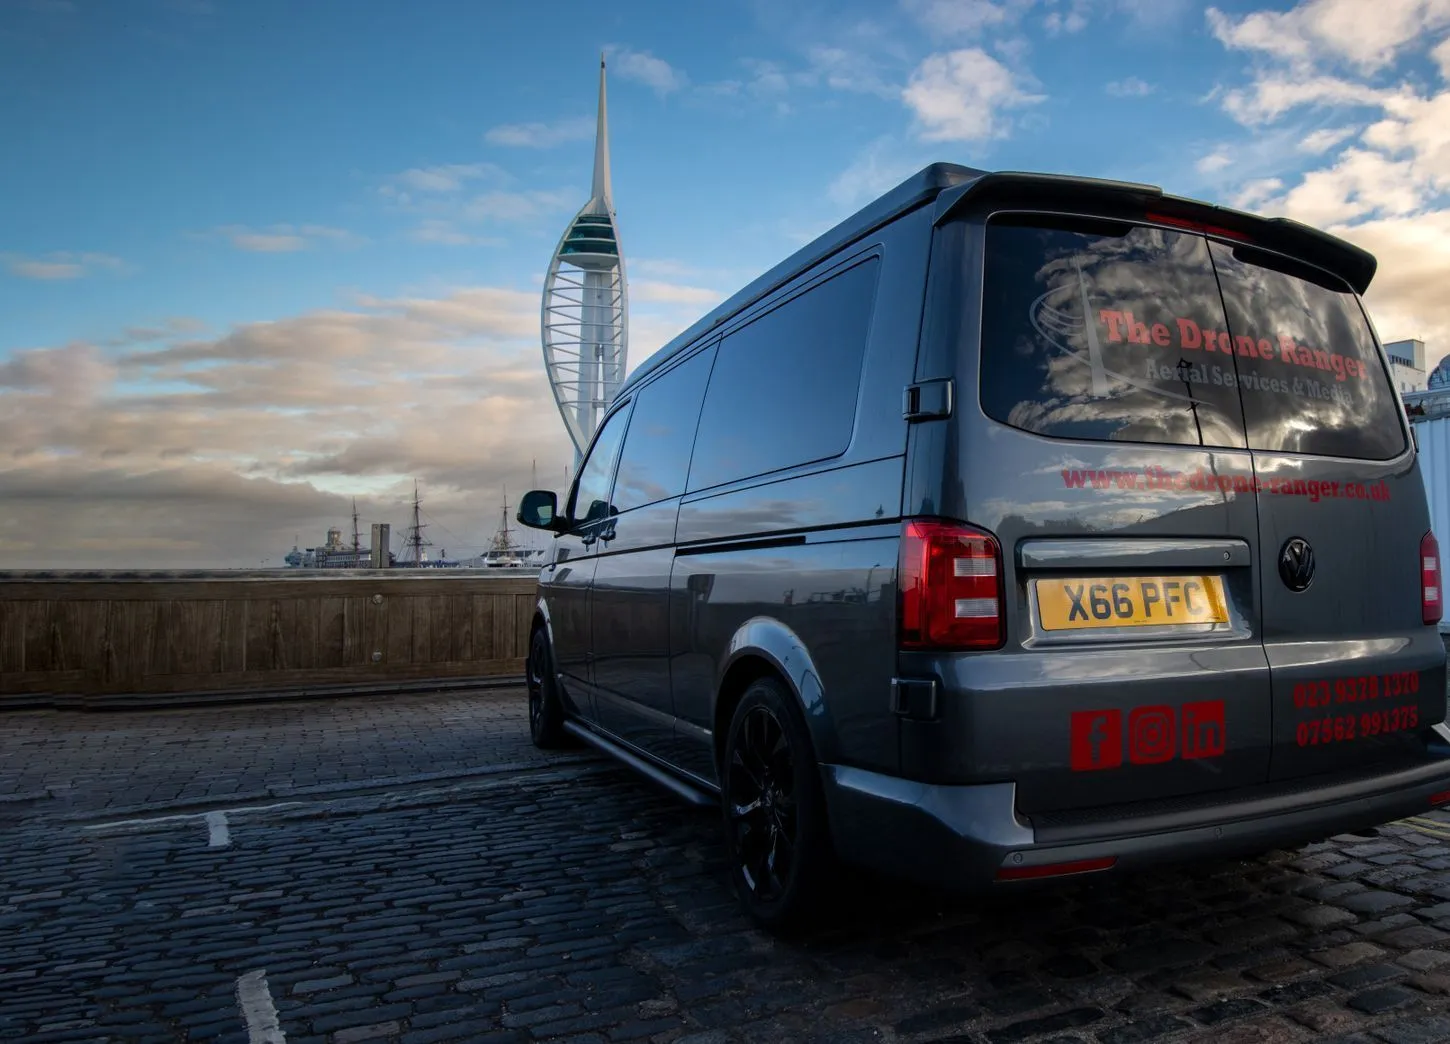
{"type": "Point", "coordinates": [1347, 727]}
{"type": "Point", "coordinates": [1312, 694]}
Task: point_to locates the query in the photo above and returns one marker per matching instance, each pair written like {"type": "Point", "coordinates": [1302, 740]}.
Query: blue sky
{"type": "Point", "coordinates": [154, 132]}
{"type": "Point", "coordinates": [323, 226]}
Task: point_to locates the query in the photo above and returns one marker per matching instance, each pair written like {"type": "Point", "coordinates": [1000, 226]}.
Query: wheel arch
{"type": "Point", "coordinates": [542, 619]}
{"type": "Point", "coordinates": [765, 647]}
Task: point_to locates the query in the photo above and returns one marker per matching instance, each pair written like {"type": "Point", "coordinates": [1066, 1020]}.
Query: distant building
{"type": "Point", "coordinates": [1407, 364]}
{"type": "Point", "coordinates": [1440, 375]}
{"type": "Point", "coordinates": [332, 555]}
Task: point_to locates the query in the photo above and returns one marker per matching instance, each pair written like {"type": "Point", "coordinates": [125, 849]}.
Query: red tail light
{"type": "Point", "coordinates": [1432, 599]}
{"type": "Point", "coordinates": [950, 582]}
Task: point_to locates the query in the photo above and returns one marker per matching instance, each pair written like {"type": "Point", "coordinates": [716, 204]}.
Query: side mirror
{"type": "Point", "coordinates": [540, 510]}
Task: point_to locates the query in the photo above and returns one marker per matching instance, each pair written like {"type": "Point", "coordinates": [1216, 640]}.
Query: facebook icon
{"type": "Point", "coordinates": [1097, 740]}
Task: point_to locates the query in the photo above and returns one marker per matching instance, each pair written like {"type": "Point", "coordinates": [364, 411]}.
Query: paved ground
{"type": "Point", "coordinates": [75, 761]}
{"type": "Point", "coordinates": [515, 897]}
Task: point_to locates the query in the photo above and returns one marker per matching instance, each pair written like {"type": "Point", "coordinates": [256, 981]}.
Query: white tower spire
{"type": "Point", "coordinates": [600, 189]}
{"type": "Point", "coordinates": [585, 306]}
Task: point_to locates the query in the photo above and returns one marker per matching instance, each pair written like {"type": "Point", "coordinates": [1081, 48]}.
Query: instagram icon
{"type": "Point", "coordinates": [1152, 735]}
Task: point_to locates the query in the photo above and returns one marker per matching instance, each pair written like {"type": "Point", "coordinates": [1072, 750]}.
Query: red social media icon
{"type": "Point", "coordinates": [1204, 732]}
{"type": "Point", "coordinates": [1151, 738]}
{"type": "Point", "coordinates": [1097, 740]}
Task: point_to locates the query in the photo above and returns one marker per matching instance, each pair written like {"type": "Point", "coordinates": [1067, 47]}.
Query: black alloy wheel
{"type": "Point", "coordinates": [546, 716]}
{"type": "Point", "coordinates": [774, 811]}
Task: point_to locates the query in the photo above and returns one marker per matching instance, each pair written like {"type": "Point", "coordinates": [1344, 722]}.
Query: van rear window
{"type": "Point", "coordinates": [1095, 330]}
{"type": "Point", "coordinates": [1311, 376]}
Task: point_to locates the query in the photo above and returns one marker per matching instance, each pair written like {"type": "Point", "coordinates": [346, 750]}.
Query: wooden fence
{"type": "Point", "coordinates": [106, 637]}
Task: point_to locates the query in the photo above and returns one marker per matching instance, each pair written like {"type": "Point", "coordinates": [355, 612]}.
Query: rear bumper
{"type": "Point", "coordinates": [959, 837]}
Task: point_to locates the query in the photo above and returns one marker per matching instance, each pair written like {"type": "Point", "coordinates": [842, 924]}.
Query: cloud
{"type": "Point", "coordinates": [447, 233]}
{"type": "Point", "coordinates": [178, 324]}
{"type": "Point", "coordinates": [674, 293]}
{"type": "Point", "coordinates": [443, 178]}
{"type": "Point", "coordinates": [1273, 94]}
{"type": "Point", "coordinates": [283, 239]}
{"type": "Point", "coordinates": [170, 449]}
{"type": "Point", "coordinates": [1361, 183]}
{"type": "Point", "coordinates": [976, 19]}
{"type": "Point", "coordinates": [1252, 195]}
{"type": "Point", "coordinates": [59, 265]}
{"type": "Point", "coordinates": [853, 71]}
{"type": "Point", "coordinates": [1383, 182]}
{"type": "Point", "coordinates": [1367, 38]}
{"type": "Point", "coordinates": [541, 135]}
{"type": "Point", "coordinates": [1073, 20]}
{"type": "Point", "coordinates": [65, 374]}
{"type": "Point", "coordinates": [1132, 87]}
{"type": "Point", "coordinates": [883, 164]}
{"type": "Point", "coordinates": [519, 206]}
{"type": "Point", "coordinates": [1214, 162]}
{"type": "Point", "coordinates": [269, 416]}
{"type": "Point", "coordinates": [1153, 14]}
{"type": "Point", "coordinates": [959, 95]}
{"type": "Point", "coordinates": [766, 78]}
{"type": "Point", "coordinates": [643, 67]}
{"type": "Point", "coordinates": [957, 18]}
{"type": "Point", "coordinates": [1323, 140]}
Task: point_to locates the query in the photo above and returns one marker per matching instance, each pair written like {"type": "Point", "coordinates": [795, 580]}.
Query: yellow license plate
{"type": "Point", "coordinates": [1130, 601]}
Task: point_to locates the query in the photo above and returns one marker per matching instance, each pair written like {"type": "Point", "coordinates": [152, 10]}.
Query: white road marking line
{"type": "Point", "coordinates": [149, 821]}
{"type": "Point", "coordinates": [217, 833]}
{"type": "Point", "coordinates": [255, 1000]}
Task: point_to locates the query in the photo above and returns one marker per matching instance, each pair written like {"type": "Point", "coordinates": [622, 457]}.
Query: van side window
{"type": "Point", "coordinates": [784, 388]}
{"type": "Point", "coordinates": [591, 495]}
{"type": "Point", "coordinates": [1310, 375]}
{"type": "Point", "coordinates": [656, 455]}
{"type": "Point", "coordinates": [1106, 330]}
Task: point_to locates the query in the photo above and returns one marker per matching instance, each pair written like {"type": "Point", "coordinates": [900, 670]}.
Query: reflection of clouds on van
{"type": "Point", "coordinates": [1078, 381]}
{"type": "Point", "coordinates": [1127, 338]}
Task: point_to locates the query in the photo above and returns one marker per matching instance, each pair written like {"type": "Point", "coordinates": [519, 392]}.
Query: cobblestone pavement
{"type": "Point", "coordinates": [567, 900]}
{"type": "Point", "coordinates": [76, 761]}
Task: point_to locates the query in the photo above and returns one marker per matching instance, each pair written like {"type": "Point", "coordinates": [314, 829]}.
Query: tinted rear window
{"type": "Point", "coordinates": [1094, 330]}
{"type": "Point", "coordinates": [1311, 376]}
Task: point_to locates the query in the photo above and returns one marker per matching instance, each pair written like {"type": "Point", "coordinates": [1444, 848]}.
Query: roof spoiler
{"type": "Point", "coordinates": [1351, 263]}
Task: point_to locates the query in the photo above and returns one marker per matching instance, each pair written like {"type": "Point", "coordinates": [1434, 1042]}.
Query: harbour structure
{"type": "Point", "coordinates": [585, 303]}
{"type": "Point", "coordinates": [333, 554]}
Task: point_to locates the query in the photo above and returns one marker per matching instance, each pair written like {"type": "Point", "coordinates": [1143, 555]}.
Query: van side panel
{"type": "Point", "coordinates": [797, 559]}
{"type": "Point", "coordinates": [835, 599]}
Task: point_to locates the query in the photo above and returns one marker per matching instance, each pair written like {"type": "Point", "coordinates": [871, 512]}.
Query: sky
{"type": "Point", "coordinates": [258, 258]}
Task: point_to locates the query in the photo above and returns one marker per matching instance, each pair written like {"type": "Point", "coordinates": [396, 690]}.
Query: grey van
{"type": "Point", "coordinates": [1021, 526]}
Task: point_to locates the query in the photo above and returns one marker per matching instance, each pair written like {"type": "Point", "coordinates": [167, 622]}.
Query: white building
{"type": "Point", "coordinates": [1407, 365]}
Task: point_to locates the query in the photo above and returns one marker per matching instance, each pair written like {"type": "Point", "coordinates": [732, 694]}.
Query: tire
{"type": "Point", "coordinates": [776, 834]}
{"type": "Point", "coordinates": [546, 714]}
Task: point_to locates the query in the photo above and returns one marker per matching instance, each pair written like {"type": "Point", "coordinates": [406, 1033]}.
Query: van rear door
{"type": "Point", "coordinates": [1111, 465]}
{"type": "Point", "coordinates": [1356, 673]}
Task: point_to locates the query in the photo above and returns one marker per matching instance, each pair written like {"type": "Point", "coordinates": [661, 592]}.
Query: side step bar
{"type": "Point", "coordinates": [688, 792]}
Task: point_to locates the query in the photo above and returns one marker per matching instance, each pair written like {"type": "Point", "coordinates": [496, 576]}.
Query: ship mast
{"type": "Point", "coordinates": [416, 543]}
